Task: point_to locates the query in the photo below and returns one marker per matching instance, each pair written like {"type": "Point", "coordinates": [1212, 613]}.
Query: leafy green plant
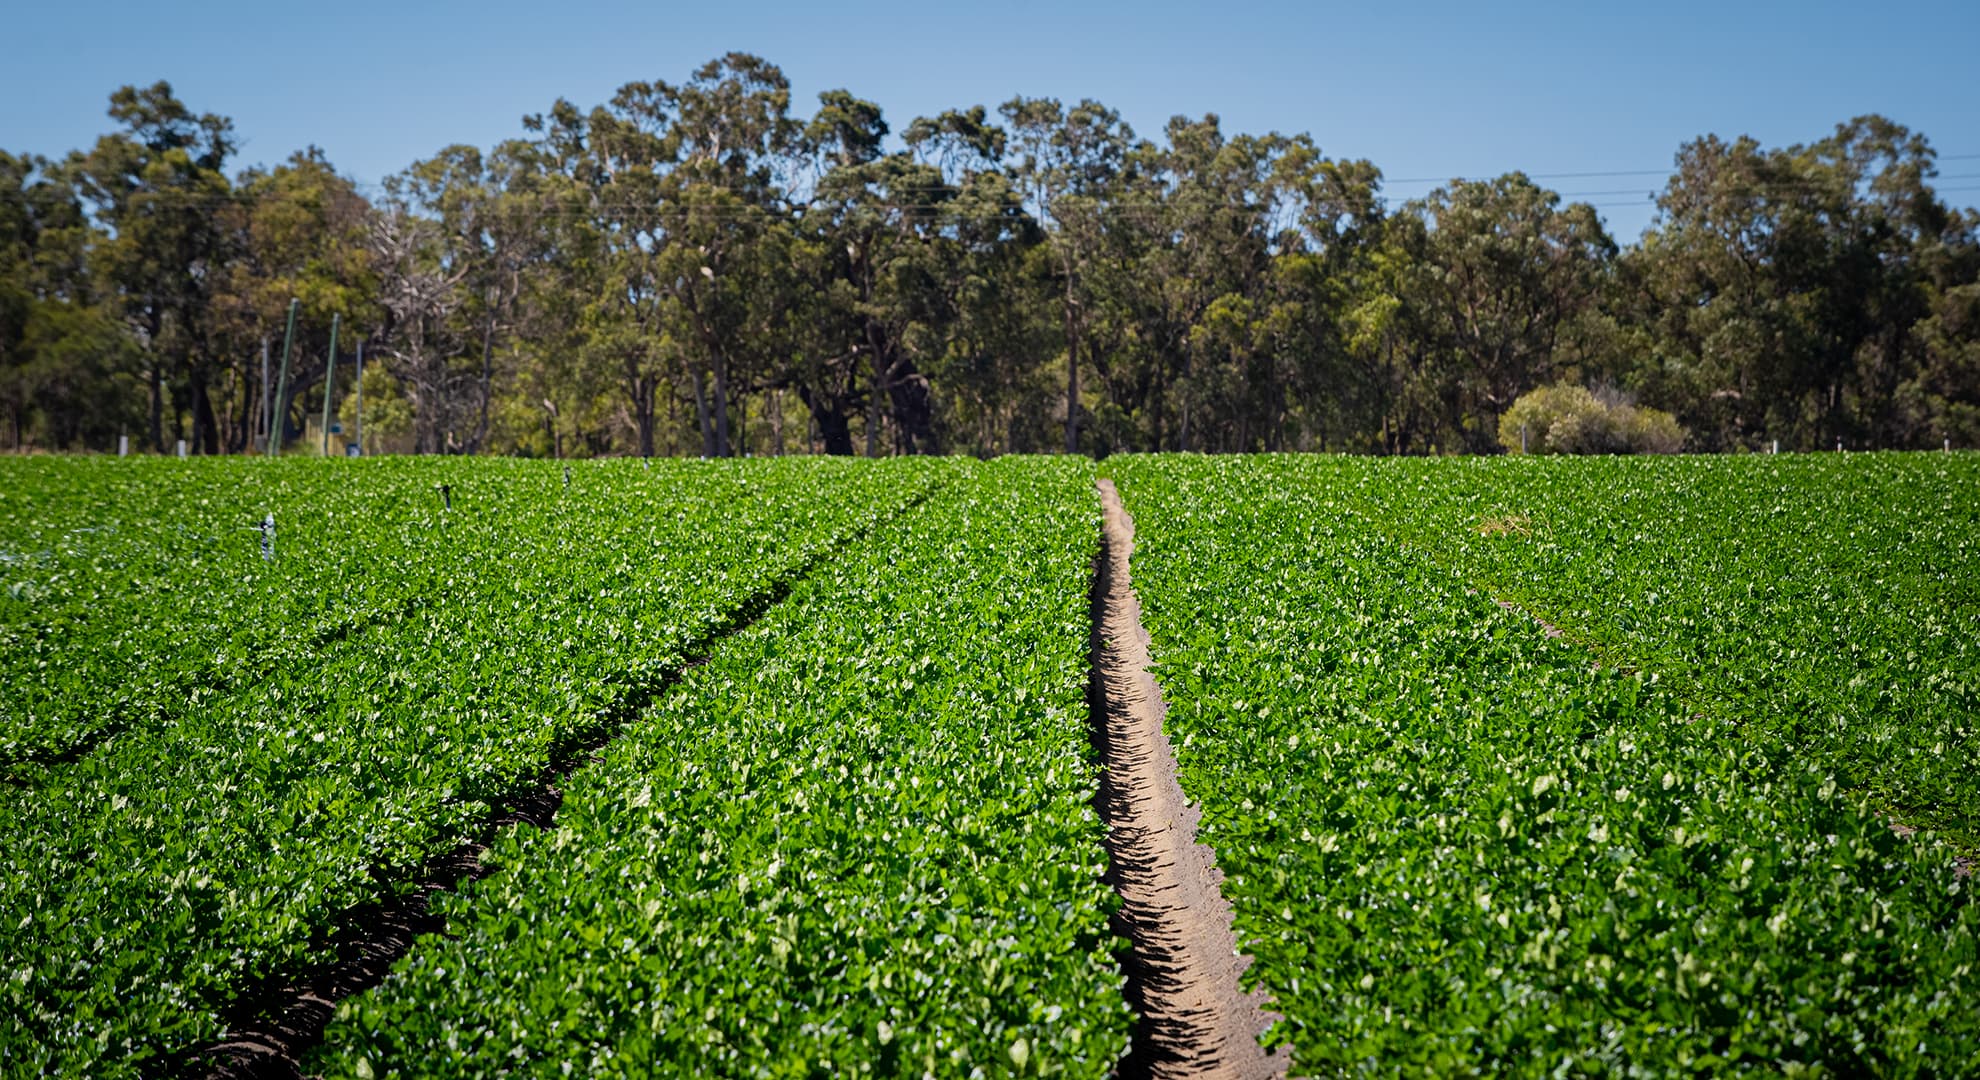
{"type": "Point", "coordinates": [859, 839]}
{"type": "Point", "coordinates": [164, 874]}
{"type": "Point", "coordinates": [1457, 846]}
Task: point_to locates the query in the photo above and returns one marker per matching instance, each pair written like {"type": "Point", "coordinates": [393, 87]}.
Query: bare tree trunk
{"type": "Point", "coordinates": [701, 414]}
{"type": "Point", "coordinates": [487, 355]}
{"type": "Point", "coordinates": [1072, 372]}
{"type": "Point", "coordinates": [243, 418]}
{"type": "Point", "coordinates": [673, 419]}
{"type": "Point", "coordinates": [643, 413]}
{"type": "Point", "coordinates": [157, 408]}
{"type": "Point", "coordinates": [724, 447]}
{"type": "Point", "coordinates": [1182, 423]}
{"type": "Point", "coordinates": [873, 410]}
{"type": "Point", "coordinates": [836, 430]}
{"type": "Point", "coordinates": [206, 432]}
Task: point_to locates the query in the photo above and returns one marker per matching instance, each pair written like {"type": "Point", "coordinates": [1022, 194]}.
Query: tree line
{"type": "Point", "coordinates": [693, 268]}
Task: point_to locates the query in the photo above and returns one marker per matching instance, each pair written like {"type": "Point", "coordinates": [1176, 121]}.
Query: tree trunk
{"type": "Point", "coordinates": [701, 414]}
{"type": "Point", "coordinates": [487, 359]}
{"type": "Point", "coordinates": [157, 408]}
{"type": "Point", "coordinates": [777, 422]}
{"type": "Point", "coordinates": [836, 428]}
{"type": "Point", "coordinates": [829, 421]}
{"type": "Point", "coordinates": [1072, 378]}
{"type": "Point", "coordinates": [206, 431]}
{"type": "Point", "coordinates": [724, 446]}
{"type": "Point", "coordinates": [874, 409]}
{"type": "Point", "coordinates": [643, 410]}
{"type": "Point", "coordinates": [243, 421]}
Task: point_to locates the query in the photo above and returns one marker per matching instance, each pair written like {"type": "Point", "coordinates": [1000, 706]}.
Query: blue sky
{"type": "Point", "coordinates": [1426, 90]}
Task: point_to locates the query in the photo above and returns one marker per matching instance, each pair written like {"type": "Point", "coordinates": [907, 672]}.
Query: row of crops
{"type": "Point", "coordinates": [860, 838]}
{"type": "Point", "coordinates": [326, 720]}
{"type": "Point", "coordinates": [1659, 843]}
{"type": "Point", "coordinates": [820, 734]}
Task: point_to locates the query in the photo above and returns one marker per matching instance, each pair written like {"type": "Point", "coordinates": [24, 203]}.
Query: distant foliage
{"type": "Point", "coordinates": [1570, 419]}
{"type": "Point", "coordinates": [714, 267]}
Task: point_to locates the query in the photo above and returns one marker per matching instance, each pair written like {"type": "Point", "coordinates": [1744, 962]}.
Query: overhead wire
{"type": "Point", "coordinates": [578, 208]}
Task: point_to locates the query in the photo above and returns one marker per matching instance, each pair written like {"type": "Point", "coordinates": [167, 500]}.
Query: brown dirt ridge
{"type": "Point", "coordinates": [1183, 966]}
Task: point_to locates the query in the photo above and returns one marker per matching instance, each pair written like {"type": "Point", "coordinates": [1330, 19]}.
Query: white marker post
{"type": "Point", "coordinates": [123, 445]}
{"type": "Point", "coordinates": [182, 448]}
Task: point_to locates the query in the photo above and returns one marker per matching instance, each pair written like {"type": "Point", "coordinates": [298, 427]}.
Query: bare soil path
{"type": "Point", "coordinates": [1184, 967]}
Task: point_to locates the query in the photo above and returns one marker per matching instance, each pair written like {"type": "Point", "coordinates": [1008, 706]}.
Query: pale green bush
{"type": "Point", "coordinates": [1570, 419]}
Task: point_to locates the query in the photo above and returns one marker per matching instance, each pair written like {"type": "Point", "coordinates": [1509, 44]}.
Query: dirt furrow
{"type": "Point", "coordinates": [1184, 967]}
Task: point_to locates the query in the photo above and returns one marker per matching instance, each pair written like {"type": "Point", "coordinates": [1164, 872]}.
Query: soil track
{"type": "Point", "coordinates": [1183, 968]}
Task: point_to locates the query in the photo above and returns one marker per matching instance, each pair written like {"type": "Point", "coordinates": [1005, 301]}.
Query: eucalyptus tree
{"type": "Point", "coordinates": [993, 390]}
{"type": "Point", "coordinates": [1071, 162]}
{"type": "Point", "coordinates": [607, 200]}
{"type": "Point", "coordinates": [423, 337]}
{"type": "Point", "coordinates": [1788, 293]}
{"type": "Point", "coordinates": [847, 226]}
{"type": "Point", "coordinates": [297, 231]}
{"type": "Point", "coordinates": [731, 142]}
{"type": "Point", "coordinates": [887, 222]}
{"type": "Point", "coordinates": [1499, 273]}
{"type": "Point", "coordinates": [155, 186]}
{"type": "Point", "coordinates": [495, 214]}
{"type": "Point", "coordinates": [672, 199]}
{"type": "Point", "coordinates": [67, 364]}
{"type": "Point", "coordinates": [1332, 300]}
{"type": "Point", "coordinates": [1205, 221]}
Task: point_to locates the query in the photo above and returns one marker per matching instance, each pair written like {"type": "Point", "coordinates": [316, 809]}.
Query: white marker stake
{"type": "Point", "coordinates": [1777, 446]}
{"type": "Point", "coordinates": [268, 538]}
{"type": "Point", "coordinates": [123, 445]}
{"type": "Point", "coordinates": [182, 448]}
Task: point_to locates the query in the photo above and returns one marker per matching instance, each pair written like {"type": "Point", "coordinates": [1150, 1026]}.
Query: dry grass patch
{"type": "Point", "coordinates": [1506, 525]}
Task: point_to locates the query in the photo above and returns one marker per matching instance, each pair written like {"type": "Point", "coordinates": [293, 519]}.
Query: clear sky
{"type": "Point", "coordinates": [1427, 90]}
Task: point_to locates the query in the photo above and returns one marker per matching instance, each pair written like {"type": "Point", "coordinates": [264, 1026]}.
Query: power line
{"type": "Point", "coordinates": [186, 199]}
{"type": "Point", "coordinates": [1532, 176]}
{"type": "Point", "coordinates": [1668, 171]}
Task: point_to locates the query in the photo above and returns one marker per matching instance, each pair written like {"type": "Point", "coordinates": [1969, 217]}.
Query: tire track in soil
{"type": "Point", "coordinates": [278, 1020]}
{"type": "Point", "coordinates": [1182, 966]}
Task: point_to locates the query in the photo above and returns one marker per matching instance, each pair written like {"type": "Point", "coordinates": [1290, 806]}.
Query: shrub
{"type": "Point", "coordinates": [1569, 419]}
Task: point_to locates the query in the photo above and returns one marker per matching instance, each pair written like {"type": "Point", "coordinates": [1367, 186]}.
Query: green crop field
{"type": "Point", "coordinates": [1512, 766]}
